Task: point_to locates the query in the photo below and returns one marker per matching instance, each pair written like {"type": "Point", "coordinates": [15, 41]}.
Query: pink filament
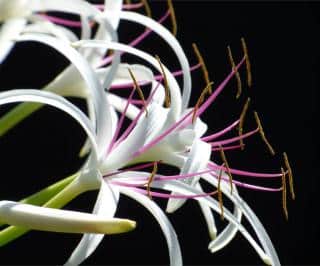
{"type": "Point", "coordinates": [115, 136]}
{"type": "Point", "coordinates": [225, 148]}
{"type": "Point", "coordinates": [228, 141]}
{"type": "Point", "coordinates": [215, 167]}
{"type": "Point", "coordinates": [221, 132]}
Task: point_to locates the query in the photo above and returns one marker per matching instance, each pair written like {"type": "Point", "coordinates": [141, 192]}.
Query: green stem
{"type": "Point", "coordinates": [16, 115]}
{"type": "Point", "coordinates": [66, 191]}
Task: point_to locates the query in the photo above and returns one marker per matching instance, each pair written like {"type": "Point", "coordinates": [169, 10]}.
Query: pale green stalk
{"type": "Point", "coordinates": [16, 115]}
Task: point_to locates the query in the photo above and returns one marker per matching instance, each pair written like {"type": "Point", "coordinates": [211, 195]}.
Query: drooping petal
{"type": "Point", "coordinates": [272, 258]}
{"type": "Point", "coordinates": [207, 213]}
{"type": "Point", "coordinates": [169, 233]}
{"type": "Point", "coordinates": [105, 207]}
{"type": "Point", "coordinates": [228, 233]}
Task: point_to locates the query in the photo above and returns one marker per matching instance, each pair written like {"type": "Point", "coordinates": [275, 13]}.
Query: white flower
{"type": "Point", "coordinates": [170, 135]}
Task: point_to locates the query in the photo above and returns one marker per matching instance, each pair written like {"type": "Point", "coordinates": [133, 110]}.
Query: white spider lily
{"type": "Point", "coordinates": [162, 135]}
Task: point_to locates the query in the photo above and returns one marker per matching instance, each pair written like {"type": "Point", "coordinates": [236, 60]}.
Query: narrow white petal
{"type": "Point", "coordinates": [114, 8]}
{"type": "Point", "coordinates": [197, 161]}
{"type": "Point", "coordinates": [43, 26]}
{"type": "Point", "coordinates": [212, 203]}
{"type": "Point", "coordinates": [174, 44]}
{"type": "Point", "coordinates": [272, 257]}
{"type": "Point", "coordinates": [9, 30]}
{"type": "Point", "coordinates": [207, 213]}
{"type": "Point", "coordinates": [78, 7]}
{"type": "Point", "coordinates": [54, 100]}
{"type": "Point", "coordinates": [225, 237]}
{"type": "Point", "coordinates": [168, 231]}
{"type": "Point", "coordinates": [54, 220]}
{"type": "Point", "coordinates": [105, 207]}
{"type": "Point", "coordinates": [98, 97]}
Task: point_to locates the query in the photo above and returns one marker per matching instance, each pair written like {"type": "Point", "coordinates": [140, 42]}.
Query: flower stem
{"type": "Point", "coordinates": [16, 115]}
{"type": "Point", "coordinates": [54, 196]}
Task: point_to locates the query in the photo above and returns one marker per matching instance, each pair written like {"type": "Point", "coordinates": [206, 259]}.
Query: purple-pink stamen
{"type": "Point", "coordinates": [215, 167]}
{"type": "Point", "coordinates": [221, 132]}
{"type": "Point", "coordinates": [231, 140]}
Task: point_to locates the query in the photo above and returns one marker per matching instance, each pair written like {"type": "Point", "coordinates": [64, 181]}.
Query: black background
{"type": "Point", "coordinates": [283, 41]}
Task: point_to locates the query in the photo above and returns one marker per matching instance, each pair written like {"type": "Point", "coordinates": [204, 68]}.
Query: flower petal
{"type": "Point", "coordinates": [9, 31]}
{"type": "Point", "coordinates": [197, 161]}
{"type": "Point", "coordinates": [270, 258]}
{"type": "Point", "coordinates": [105, 207]}
{"type": "Point", "coordinates": [169, 233]}
{"type": "Point", "coordinates": [207, 213]}
{"type": "Point", "coordinates": [174, 44]}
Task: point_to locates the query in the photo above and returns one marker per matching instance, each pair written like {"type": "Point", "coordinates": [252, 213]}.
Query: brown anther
{"type": "Point", "coordinates": [286, 161]}
{"type": "Point", "coordinates": [270, 148]}
{"type": "Point", "coordinates": [151, 177]}
{"type": "Point", "coordinates": [203, 66]}
{"type": "Point", "coordinates": [173, 17]}
{"type": "Point", "coordinates": [165, 80]}
{"type": "Point", "coordinates": [200, 100]}
{"type": "Point", "coordinates": [241, 122]}
{"type": "Point", "coordinates": [220, 194]}
{"type": "Point", "coordinates": [224, 159]}
{"type": "Point", "coordinates": [284, 193]}
{"type": "Point", "coordinates": [147, 8]}
{"type": "Point", "coordinates": [137, 87]}
{"type": "Point", "coordinates": [234, 67]}
{"type": "Point", "coordinates": [248, 64]}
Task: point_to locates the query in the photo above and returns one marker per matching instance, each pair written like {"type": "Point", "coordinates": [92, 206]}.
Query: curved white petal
{"type": "Point", "coordinates": [225, 237]}
{"type": "Point", "coordinates": [207, 213]}
{"type": "Point", "coordinates": [197, 161]}
{"type": "Point", "coordinates": [101, 105]}
{"type": "Point", "coordinates": [41, 25]}
{"type": "Point", "coordinates": [9, 31]}
{"type": "Point", "coordinates": [174, 44]}
{"type": "Point", "coordinates": [113, 8]}
{"type": "Point", "coordinates": [272, 257]}
{"type": "Point", "coordinates": [212, 203]}
{"type": "Point", "coordinates": [54, 100]}
{"type": "Point", "coordinates": [78, 7]}
{"type": "Point", "coordinates": [169, 233]}
{"type": "Point", "coordinates": [105, 207]}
